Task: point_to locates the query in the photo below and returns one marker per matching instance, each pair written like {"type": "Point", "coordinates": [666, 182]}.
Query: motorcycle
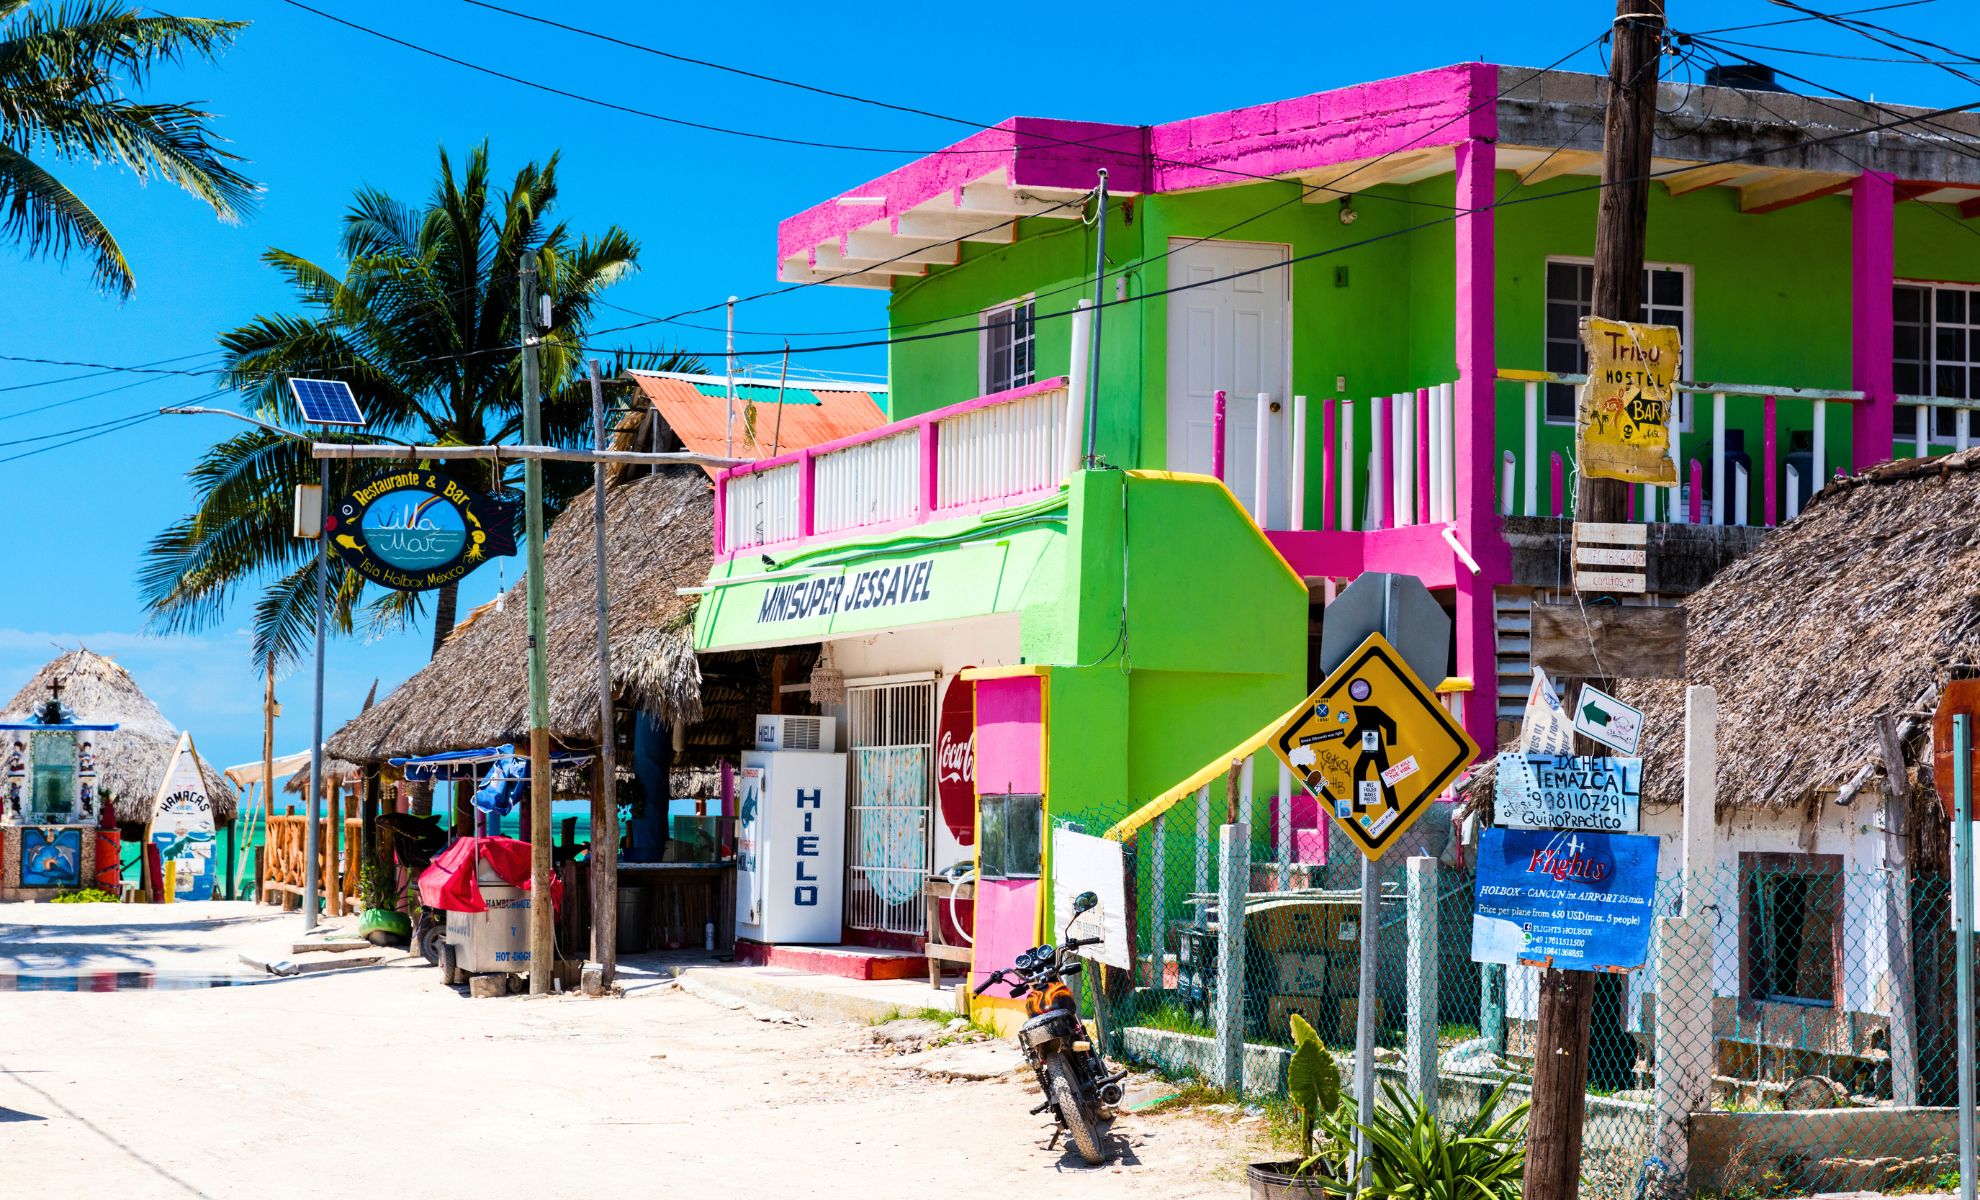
{"type": "Point", "coordinates": [1078, 1089]}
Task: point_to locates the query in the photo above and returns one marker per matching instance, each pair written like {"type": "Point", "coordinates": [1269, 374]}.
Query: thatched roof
{"type": "Point", "coordinates": [1856, 610]}
{"type": "Point", "coordinates": [130, 762]}
{"type": "Point", "coordinates": [475, 692]}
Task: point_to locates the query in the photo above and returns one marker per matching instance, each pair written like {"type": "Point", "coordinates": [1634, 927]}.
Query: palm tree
{"type": "Point", "coordinates": [65, 77]}
{"type": "Point", "coordinates": [422, 323]}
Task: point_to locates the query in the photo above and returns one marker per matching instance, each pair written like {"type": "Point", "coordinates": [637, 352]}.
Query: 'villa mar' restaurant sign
{"type": "Point", "coordinates": [413, 530]}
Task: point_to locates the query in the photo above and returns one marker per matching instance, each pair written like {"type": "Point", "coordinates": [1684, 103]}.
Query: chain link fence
{"type": "Point", "coordinates": [1792, 1033]}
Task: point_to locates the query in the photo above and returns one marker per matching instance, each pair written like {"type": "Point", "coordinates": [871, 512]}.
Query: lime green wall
{"type": "Point", "coordinates": [1770, 298]}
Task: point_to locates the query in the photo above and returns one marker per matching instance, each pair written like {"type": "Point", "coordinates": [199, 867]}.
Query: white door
{"type": "Point", "coordinates": [1229, 335]}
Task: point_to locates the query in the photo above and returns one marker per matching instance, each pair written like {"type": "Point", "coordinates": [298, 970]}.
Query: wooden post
{"type": "Point", "coordinates": [1420, 1048]}
{"type": "Point", "coordinates": [333, 824]}
{"type": "Point", "coordinates": [604, 854]}
{"type": "Point", "coordinates": [367, 823]}
{"type": "Point", "coordinates": [1234, 865]}
{"type": "Point", "coordinates": [1897, 915]}
{"type": "Point", "coordinates": [1560, 1053]}
{"type": "Point", "coordinates": [1234, 790]}
{"type": "Point", "coordinates": [268, 708]}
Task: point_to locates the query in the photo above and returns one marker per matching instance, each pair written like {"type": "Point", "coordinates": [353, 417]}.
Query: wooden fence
{"type": "Point", "coordinates": [282, 864]}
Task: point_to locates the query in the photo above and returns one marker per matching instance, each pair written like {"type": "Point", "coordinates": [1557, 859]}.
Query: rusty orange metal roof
{"type": "Point", "coordinates": [696, 407]}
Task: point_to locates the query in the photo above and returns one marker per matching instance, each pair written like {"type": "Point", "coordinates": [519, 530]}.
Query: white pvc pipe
{"type": "Point", "coordinates": [1676, 496]}
{"type": "Point", "coordinates": [1378, 451]}
{"type": "Point", "coordinates": [1649, 514]}
{"type": "Point", "coordinates": [1506, 470]}
{"type": "Point", "coordinates": [1082, 324]}
{"type": "Point", "coordinates": [1344, 463]}
{"type": "Point", "coordinates": [1403, 444]}
{"type": "Point", "coordinates": [1435, 437]}
{"type": "Point", "coordinates": [1450, 452]}
{"type": "Point", "coordinates": [1739, 494]}
{"type": "Point", "coordinates": [1718, 458]}
{"type": "Point", "coordinates": [1532, 450]}
{"type": "Point", "coordinates": [1818, 466]}
{"type": "Point", "coordinates": [1921, 439]}
{"type": "Point", "coordinates": [1298, 464]}
{"type": "Point", "coordinates": [1793, 492]}
{"type": "Point", "coordinates": [1262, 485]}
{"type": "Point", "coordinates": [1962, 428]}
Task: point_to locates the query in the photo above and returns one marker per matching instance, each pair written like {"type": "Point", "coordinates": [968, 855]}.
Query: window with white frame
{"type": "Point", "coordinates": [1935, 352]}
{"type": "Point", "coordinates": [1571, 296]}
{"type": "Point", "coordinates": [1009, 360]}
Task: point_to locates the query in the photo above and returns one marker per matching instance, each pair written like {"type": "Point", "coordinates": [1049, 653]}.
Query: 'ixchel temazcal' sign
{"type": "Point", "coordinates": [415, 529]}
{"type": "Point", "coordinates": [1564, 791]}
{"type": "Point", "coordinates": [1624, 426]}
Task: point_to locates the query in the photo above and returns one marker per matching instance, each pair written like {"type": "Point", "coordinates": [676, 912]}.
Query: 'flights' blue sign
{"type": "Point", "coordinates": [1574, 900]}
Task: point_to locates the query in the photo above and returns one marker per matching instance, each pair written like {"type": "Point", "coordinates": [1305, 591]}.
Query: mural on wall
{"type": "Point", "coordinates": [16, 776]}
{"type": "Point", "coordinates": [51, 857]}
{"type": "Point", "coordinates": [182, 825]}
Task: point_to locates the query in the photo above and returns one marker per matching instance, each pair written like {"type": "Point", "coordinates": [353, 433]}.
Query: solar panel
{"type": "Point", "coordinates": [327, 402]}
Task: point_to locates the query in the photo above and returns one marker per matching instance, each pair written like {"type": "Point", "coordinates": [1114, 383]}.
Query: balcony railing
{"type": "Point", "coordinates": [988, 452]}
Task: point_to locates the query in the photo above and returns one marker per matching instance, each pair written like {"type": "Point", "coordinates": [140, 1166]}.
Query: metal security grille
{"type": "Point", "coordinates": [892, 733]}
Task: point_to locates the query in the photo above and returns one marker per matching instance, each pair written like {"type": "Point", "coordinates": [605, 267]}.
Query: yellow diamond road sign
{"type": "Point", "coordinates": [1374, 745]}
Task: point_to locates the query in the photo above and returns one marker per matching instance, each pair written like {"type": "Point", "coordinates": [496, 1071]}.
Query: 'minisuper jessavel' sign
{"type": "Point", "coordinates": [826, 595]}
{"type": "Point", "coordinates": [1559, 791]}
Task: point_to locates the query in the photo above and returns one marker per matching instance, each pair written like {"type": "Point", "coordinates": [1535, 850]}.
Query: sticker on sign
{"type": "Point", "coordinates": [1608, 720]}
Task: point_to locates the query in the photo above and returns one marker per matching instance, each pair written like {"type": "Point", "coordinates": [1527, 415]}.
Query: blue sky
{"type": "Point", "coordinates": [321, 110]}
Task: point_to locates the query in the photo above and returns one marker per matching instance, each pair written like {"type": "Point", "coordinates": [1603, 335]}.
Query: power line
{"type": "Point", "coordinates": [102, 369]}
{"type": "Point", "coordinates": [1371, 240]}
{"type": "Point", "coordinates": [116, 427]}
{"type": "Point", "coordinates": [1798, 20]}
{"type": "Point", "coordinates": [122, 387]}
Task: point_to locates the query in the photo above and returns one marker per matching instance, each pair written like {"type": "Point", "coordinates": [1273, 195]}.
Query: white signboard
{"type": "Point", "coordinates": [1083, 863]}
{"type": "Point", "coordinates": [1608, 720]}
{"type": "Point", "coordinates": [182, 822]}
{"type": "Point", "coordinates": [1558, 791]}
{"type": "Point", "coordinates": [1546, 729]}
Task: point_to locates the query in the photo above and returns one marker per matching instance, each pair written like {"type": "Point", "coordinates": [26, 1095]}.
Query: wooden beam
{"type": "Point", "coordinates": [829, 261]}
{"type": "Point", "coordinates": [1787, 188]}
{"type": "Point", "coordinates": [870, 245]}
{"type": "Point", "coordinates": [795, 270]}
{"type": "Point", "coordinates": [1613, 641]}
{"type": "Point", "coordinates": [1561, 162]}
{"type": "Point", "coordinates": [940, 225]}
{"type": "Point", "coordinates": [995, 200]}
{"type": "Point", "coordinates": [1970, 209]}
{"type": "Point", "coordinates": [1709, 175]}
{"type": "Point", "coordinates": [1347, 179]}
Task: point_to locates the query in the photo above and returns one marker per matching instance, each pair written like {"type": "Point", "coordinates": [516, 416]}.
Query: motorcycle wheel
{"type": "Point", "coordinates": [1072, 1114]}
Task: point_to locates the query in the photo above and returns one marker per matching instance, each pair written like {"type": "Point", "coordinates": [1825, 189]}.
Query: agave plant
{"type": "Point", "coordinates": [1413, 1156]}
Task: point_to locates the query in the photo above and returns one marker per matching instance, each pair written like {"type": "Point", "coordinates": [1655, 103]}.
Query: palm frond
{"type": "Point", "coordinates": [38, 211]}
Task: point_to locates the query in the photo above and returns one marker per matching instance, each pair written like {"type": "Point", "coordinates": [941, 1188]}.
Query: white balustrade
{"type": "Point", "coordinates": [761, 507]}
{"type": "Point", "coordinates": [867, 483]}
{"type": "Point", "coordinates": [998, 451]}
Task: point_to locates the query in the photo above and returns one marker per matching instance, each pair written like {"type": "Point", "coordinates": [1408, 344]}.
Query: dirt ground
{"type": "Point", "coordinates": [384, 1082]}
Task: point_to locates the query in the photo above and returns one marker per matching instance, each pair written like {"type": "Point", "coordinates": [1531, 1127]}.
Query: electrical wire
{"type": "Point", "coordinates": [1404, 231]}
{"type": "Point", "coordinates": [113, 427]}
{"type": "Point", "coordinates": [102, 369]}
{"type": "Point", "coordinates": [1798, 20]}
{"type": "Point", "coordinates": [41, 408]}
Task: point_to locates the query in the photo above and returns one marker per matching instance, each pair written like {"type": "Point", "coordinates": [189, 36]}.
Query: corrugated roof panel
{"type": "Point", "coordinates": [697, 412]}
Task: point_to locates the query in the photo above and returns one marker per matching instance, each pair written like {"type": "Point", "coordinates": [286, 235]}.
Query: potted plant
{"type": "Point", "coordinates": [382, 924]}
{"type": "Point", "coordinates": [1313, 1083]}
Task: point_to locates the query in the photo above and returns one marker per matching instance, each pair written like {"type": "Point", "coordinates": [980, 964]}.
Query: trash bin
{"type": "Point", "coordinates": [635, 935]}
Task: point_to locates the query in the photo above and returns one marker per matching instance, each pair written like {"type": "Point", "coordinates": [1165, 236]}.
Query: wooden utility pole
{"type": "Point", "coordinates": [1566, 1002]}
{"type": "Point", "coordinates": [268, 710]}
{"type": "Point", "coordinates": [604, 851]}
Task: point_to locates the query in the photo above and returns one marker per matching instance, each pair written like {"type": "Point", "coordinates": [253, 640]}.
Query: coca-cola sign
{"type": "Point", "coordinates": [955, 760]}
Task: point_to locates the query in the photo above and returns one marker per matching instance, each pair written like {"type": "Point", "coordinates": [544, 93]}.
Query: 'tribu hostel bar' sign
{"type": "Point", "coordinates": [891, 585]}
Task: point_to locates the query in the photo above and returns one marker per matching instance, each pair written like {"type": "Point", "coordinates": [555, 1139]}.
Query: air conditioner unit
{"type": "Point", "coordinates": [783, 731]}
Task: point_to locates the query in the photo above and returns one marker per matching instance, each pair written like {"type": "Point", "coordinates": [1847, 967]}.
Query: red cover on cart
{"type": "Point", "coordinates": [450, 884]}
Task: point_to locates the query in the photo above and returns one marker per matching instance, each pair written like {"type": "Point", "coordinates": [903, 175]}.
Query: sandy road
{"type": "Point", "coordinates": [383, 1082]}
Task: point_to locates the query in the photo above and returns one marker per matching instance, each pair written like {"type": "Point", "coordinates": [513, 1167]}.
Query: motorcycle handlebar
{"type": "Point", "coordinates": [997, 977]}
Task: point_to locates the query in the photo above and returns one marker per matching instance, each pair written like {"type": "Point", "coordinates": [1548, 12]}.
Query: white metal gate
{"type": "Point", "coordinates": [891, 730]}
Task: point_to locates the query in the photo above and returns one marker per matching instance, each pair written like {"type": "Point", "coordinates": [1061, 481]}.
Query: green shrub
{"type": "Point", "coordinates": [1413, 1156]}
{"type": "Point", "coordinates": [87, 895]}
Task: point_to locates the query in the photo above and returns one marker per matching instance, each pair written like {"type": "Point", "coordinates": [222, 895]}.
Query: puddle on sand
{"type": "Point", "coordinates": [106, 980]}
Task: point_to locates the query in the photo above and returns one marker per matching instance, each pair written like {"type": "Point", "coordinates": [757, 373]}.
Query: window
{"type": "Point", "coordinates": [1013, 836]}
{"type": "Point", "coordinates": [1936, 352]}
{"type": "Point", "coordinates": [1790, 931]}
{"type": "Point", "coordinates": [1008, 357]}
{"type": "Point", "coordinates": [1571, 296]}
{"type": "Point", "coordinates": [54, 773]}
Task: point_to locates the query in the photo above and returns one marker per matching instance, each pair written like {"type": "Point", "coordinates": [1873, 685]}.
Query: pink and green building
{"type": "Point", "coordinates": [1338, 335]}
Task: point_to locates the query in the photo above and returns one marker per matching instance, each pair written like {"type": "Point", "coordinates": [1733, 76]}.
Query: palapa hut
{"type": "Point", "coordinates": [128, 765]}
